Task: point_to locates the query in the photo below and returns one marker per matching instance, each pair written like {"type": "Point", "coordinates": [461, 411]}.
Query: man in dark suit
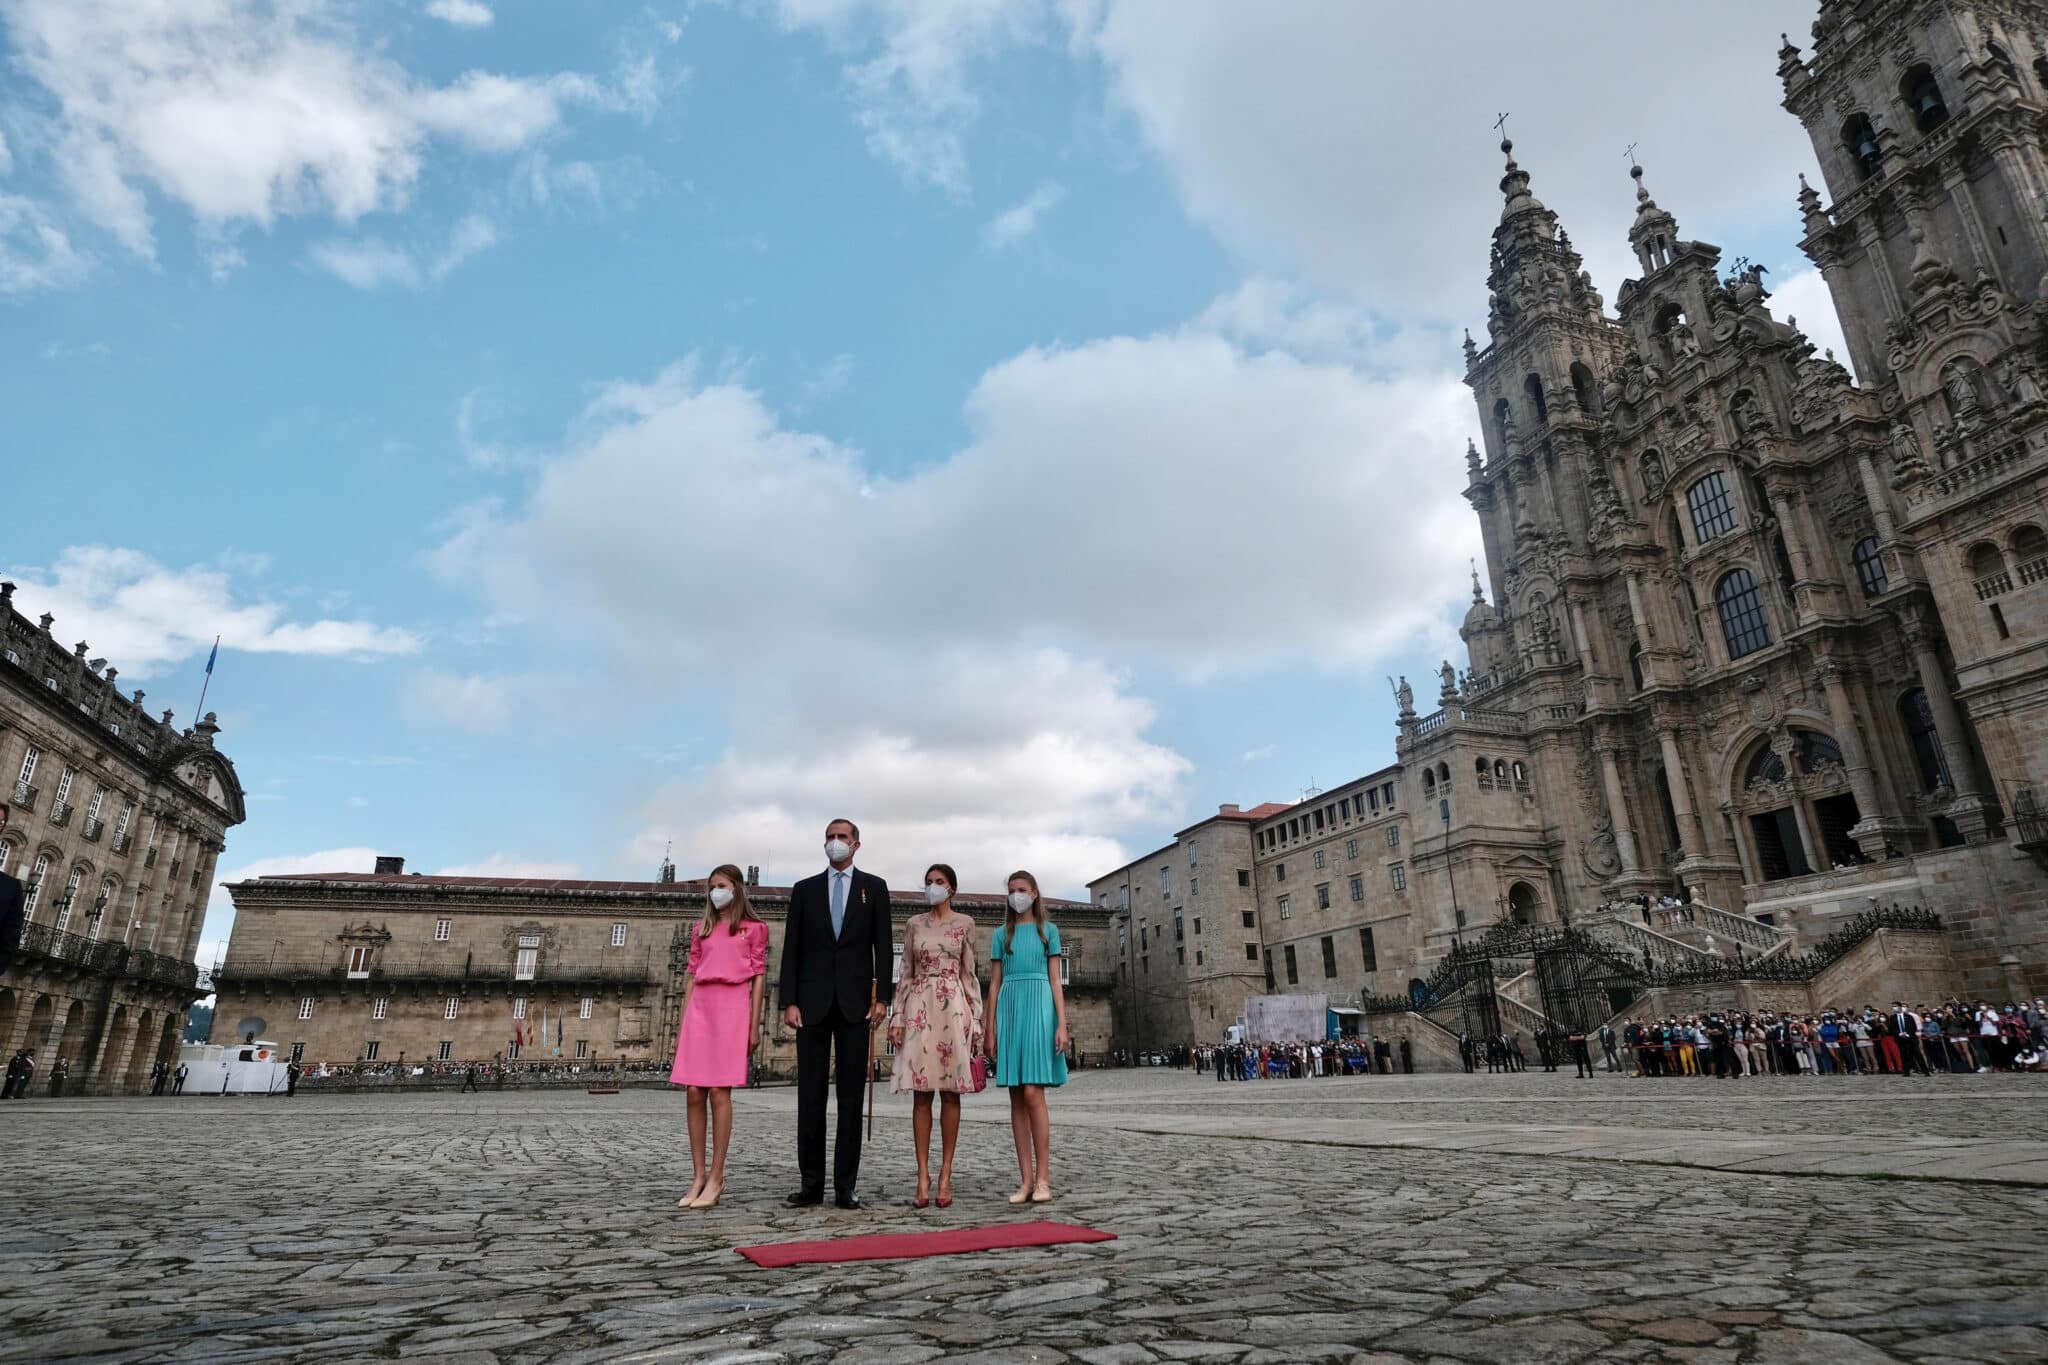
{"type": "Point", "coordinates": [1906, 1030]}
{"type": "Point", "coordinates": [12, 897]}
{"type": "Point", "coordinates": [835, 986]}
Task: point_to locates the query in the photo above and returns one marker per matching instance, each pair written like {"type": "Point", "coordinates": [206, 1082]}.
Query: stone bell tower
{"type": "Point", "coordinates": [1927, 123]}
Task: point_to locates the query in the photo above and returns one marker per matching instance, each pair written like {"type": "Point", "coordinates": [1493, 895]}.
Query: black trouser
{"type": "Point", "coordinates": [1910, 1056]}
{"type": "Point", "coordinates": [815, 1046]}
{"type": "Point", "coordinates": [156, 1087]}
{"type": "Point", "coordinates": [1581, 1058]}
{"type": "Point", "coordinates": [1613, 1058]}
{"type": "Point", "coordinates": [178, 1086]}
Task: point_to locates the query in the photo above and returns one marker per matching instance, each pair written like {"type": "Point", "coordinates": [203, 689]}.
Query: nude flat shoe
{"type": "Point", "coordinates": [709, 1199]}
{"type": "Point", "coordinates": [1021, 1197]}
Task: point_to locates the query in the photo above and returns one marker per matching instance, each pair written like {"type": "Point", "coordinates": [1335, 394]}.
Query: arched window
{"type": "Point", "coordinates": [1635, 664]}
{"type": "Point", "coordinates": [1922, 95]}
{"type": "Point", "coordinates": [1860, 138]}
{"type": "Point", "coordinates": [1522, 903]}
{"type": "Point", "coordinates": [1428, 782]}
{"type": "Point", "coordinates": [1533, 387]}
{"type": "Point", "coordinates": [1816, 751]}
{"type": "Point", "coordinates": [1742, 613]}
{"type": "Point", "coordinates": [1584, 389]}
{"type": "Point", "coordinates": [1870, 567]}
{"type": "Point", "coordinates": [1480, 765]}
{"type": "Point", "coordinates": [1764, 766]}
{"type": "Point", "coordinates": [1713, 511]}
{"type": "Point", "coordinates": [2029, 544]}
{"type": "Point", "coordinates": [1921, 733]}
{"type": "Point", "coordinates": [1987, 566]}
{"type": "Point", "coordinates": [1500, 770]}
{"type": "Point", "coordinates": [1443, 774]}
{"type": "Point", "coordinates": [1521, 774]}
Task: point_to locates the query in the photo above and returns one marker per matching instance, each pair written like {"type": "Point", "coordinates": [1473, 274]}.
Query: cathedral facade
{"type": "Point", "coordinates": [1749, 631]}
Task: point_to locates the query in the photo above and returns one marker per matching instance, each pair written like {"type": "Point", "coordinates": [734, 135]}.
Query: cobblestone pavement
{"type": "Point", "coordinates": [512, 1227]}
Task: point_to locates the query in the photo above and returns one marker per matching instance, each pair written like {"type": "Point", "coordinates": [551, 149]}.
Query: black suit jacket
{"type": "Point", "coordinates": [819, 970]}
{"type": "Point", "coordinates": [11, 898]}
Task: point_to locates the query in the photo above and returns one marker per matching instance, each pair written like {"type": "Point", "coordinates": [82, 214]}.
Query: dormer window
{"type": "Point", "coordinates": [1923, 99]}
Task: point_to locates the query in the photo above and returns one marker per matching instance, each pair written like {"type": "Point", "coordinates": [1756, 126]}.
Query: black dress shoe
{"type": "Point", "coordinates": [803, 1199]}
{"type": "Point", "coordinates": [847, 1200]}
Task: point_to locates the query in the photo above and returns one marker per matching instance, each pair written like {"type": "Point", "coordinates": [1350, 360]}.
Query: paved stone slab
{"type": "Point", "coordinates": [1415, 1219]}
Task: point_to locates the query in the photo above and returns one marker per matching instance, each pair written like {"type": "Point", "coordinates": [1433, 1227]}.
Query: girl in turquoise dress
{"type": "Point", "coordinates": [1027, 1031]}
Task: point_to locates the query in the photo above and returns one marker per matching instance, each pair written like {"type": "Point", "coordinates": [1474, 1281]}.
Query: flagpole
{"type": "Point", "coordinates": [200, 713]}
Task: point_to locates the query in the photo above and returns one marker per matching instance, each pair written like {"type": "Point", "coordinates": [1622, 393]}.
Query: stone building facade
{"type": "Point", "coordinates": [1748, 631]}
{"type": "Point", "coordinates": [115, 823]}
{"type": "Point", "coordinates": [391, 966]}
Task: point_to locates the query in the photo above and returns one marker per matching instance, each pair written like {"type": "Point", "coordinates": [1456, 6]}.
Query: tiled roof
{"type": "Point", "coordinates": [570, 887]}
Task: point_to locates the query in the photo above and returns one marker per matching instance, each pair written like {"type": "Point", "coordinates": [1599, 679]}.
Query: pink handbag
{"type": "Point", "coordinates": [978, 1071]}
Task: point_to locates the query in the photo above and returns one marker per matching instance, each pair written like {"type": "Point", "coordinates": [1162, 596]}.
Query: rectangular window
{"type": "Point", "coordinates": [1365, 947]}
{"type": "Point", "coordinates": [121, 825]}
{"type": "Point", "coordinates": [896, 963]}
{"type": "Point", "coordinates": [583, 1010]}
{"type": "Point", "coordinates": [1144, 939]}
{"type": "Point", "coordinates": [305, 1007]}
{"type": "Point", "coordinates": [92, 807]}
{"type": "Point", "coordinates": [370, 1050]}
{"type": "Point", "coordinates": [1194, 887]}
{"type": "Point", "coordinates": [1374, 797]}
{"type": "Point", "coordinates": [1344, 808]}
{"type": "Point", "coordinates": [1251, 919]}
{"type": "Point", "coordinates": [35, 886]}
{"type": "Point", "coordinates": [1279, 872]}
{"type": "Point", "coordinates": [1329, 956]}
{"type": "Point", "coordinates": [582, 1047]}
{"type": "Point", "coordinates": [1145, 965]}
{"type": "Point", "coordinates": [523, 966]}
{"type": "Point", "coordinates": [28, 765]}
{"type": "Point", "coordinates": [380, 1007]}
{"type": "Point", "coordinates": [358, 963]}
{"type": "Point", "coordinates": [1244, 877]}
{"type": "Point", "coordinates": [1319, 820]}
{"type": "Point", "coordinates": [1166, 882]}
{"type": "Point", "coordinates": [1285, 908]}
{"type": "Point", "coordinates": [1178, 935]}
{"type": "Point", "coordinates": [1191, 853]}
{"type": "Point", "coordinates": [447, 1050]}
{"type": "Point", "coordinates": [618, 936]}
{"type": "Point", "coordinates": [512, 1051]}
{"type": "Point", "coordinates": [1198, 926]}
{"type": "Point", "coordinates": [518, 1007]}
{"type": "Point", "coordinates": [1399, 876]}
{"type": "Point", "coordinates": [1269, 971]}
{"type": "Point", "coordinates": [1180, 955]}
{"type": "Point", "coordinates": [1251, 952]}
{"type": "Point", "coordinates": [1294, 829]}
{"type": "Point", "coordinates": [1393, 836]}
{"type": "Point", "coordinates": [448, 1010]}
{"type": "Point", "coordinates": [64, 786]}
{"type": "Point", "coordinates": [442, 927]}
{"type": "Point", "coordinates": [1323, 896]}
{"type": "Point", "coordinates": [1293, 972]}
{"type": "Point", "coordinates": [64, 908]}
{"type": "Point", "coordinates": [298, 1052]}
{"type": "Point", "coordinates": [1387, 794]}
{"type": "Point", "coordinates": [1358, 888]}
{"type": "Point", "coordinates": [1198, 957]}
{"type": "Point", "coordinates": [1321, 861]}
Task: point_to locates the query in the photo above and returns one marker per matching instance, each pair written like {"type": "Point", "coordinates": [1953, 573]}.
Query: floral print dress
{"type": "Point", "coordinates": [938, 1007]}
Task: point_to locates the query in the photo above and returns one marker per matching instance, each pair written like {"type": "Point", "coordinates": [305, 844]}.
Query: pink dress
{"type": "Point", "coordinates": [711, 1045]}
{"type": "Point", "coordinates": [938, 1007]}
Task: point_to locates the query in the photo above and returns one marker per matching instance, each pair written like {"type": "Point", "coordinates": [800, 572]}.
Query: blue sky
{"type": "Point", "coordinates": [1021, 426]}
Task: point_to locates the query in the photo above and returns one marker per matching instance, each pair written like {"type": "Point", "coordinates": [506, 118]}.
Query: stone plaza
{"type": "Point", "coordinates": [1531, 1217]}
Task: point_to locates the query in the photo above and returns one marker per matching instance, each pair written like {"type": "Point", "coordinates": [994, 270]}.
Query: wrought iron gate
{"type": "Point", "coordinates": [1582, 982]}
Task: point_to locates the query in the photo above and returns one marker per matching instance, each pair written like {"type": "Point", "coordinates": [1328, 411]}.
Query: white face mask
{"type": "Point", "coordinates": [721, 896]}
{"type": "Point", "coordinates": [838, 850]}
{"type": "Point", "coordinates": [1020, 901]}
{"type": "Point", "coordinates": [937, 893]}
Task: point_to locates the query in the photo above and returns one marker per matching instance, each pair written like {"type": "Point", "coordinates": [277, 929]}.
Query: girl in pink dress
{"type": "Point", "coordinates": [721, 1023]}
{"type": "Point", "coordinates": [935, 1026]}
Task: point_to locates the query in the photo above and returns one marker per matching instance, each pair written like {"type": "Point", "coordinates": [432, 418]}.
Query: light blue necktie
{"type": "Point", "coordinates": [838, 902]}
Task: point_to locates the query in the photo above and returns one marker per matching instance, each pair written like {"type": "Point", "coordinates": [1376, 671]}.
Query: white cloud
{"type": "Point", "coordinates": [6, 156]}
{"type": "Point", "coordinates": [461, 13]}
{"type": "Point", "coordinates": [141, 615]}
{"type": "Point", "coordinates": [469, 700]}
{"type": "Point", "coordinates": [247, 111]}
{"type": "Point", "coordinates": [1804, 296]}
{"type": "Point", "coordinates": [1019, 221]}
{"type": "Point", "coordinates": [498, 865]}
{"type": "Point", "coordinates": [63, 350]}
{"type": "Point", "coordinates": [1145, 499]}
{"type": "Point", "coordinates": [911, 78]}
{"type": "Point", "coordinates": [372, 264]}
{"type": "Point", "coordinates": [35, 253]}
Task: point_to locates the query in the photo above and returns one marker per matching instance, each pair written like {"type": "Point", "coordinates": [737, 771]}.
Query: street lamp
{"type": "Point", "coordinates": [1443, 806]}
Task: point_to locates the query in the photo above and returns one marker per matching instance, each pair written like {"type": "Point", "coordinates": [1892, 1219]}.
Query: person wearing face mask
{"type": "Point", "coordinates": [721, 1023]}
{"type": "Point", "coordinates": [1027, 1036]}
{"type": "Point", "coordinates": [935, 1027]}
{"type": "Point", "coordinates": [835, 986]}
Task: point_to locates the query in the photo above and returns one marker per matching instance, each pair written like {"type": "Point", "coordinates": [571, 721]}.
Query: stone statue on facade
{"type": "Point", "coordinates": [2022, 380]}
{"type": "Point", "coordinates": [1449, 676]}
{"type": "Point", "coordinates": [1961, 388]}
{"type": "Point", "coordinates": [1404, 695]}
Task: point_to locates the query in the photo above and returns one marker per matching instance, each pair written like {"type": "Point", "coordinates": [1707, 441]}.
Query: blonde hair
{"type": "Point", "coordinates": [1037, 913]}
{"type": "Point", "coordinates": [738, 913]}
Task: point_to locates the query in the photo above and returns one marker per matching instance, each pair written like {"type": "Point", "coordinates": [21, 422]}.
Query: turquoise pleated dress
{"type": "Point", "coordinates": [1025, 1018]}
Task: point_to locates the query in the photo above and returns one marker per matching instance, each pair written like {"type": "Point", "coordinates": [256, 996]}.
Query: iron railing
{"type": "Point", "coordinates": [107, 959]}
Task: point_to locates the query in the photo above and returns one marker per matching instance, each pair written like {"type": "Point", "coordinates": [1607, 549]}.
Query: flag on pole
{"type": "Point", "coordinates": [210, 658]}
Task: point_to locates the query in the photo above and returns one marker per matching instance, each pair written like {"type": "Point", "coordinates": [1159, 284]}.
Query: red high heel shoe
{"type": "Point", "coordinates": [945, 1199]}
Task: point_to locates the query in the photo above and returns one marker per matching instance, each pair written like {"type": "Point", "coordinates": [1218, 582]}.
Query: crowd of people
{"type": "Point", "coordinates": [1302, 1061]}
{"type": "Point", "coordinates": [1952, 1037]}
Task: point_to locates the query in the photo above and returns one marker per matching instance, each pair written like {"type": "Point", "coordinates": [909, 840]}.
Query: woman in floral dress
{"type": "Point", "coordinates": [935, 1026]}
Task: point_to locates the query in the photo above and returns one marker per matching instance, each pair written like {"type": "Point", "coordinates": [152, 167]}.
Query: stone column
{"type": "Point", "coordinates": [1689, 844]}
{"type": "Point", "coordinates": [1874, 494]}
{"type": "Point", "coordinates": [1617, 810]}
{"type": "Point", "coordinates": [1968, 812]}
{"type": "Point", "coordinates": [1855, 762]}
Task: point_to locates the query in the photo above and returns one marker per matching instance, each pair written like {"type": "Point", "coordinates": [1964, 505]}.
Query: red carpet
{"type": "Point", "coordinates": [900, 1246]}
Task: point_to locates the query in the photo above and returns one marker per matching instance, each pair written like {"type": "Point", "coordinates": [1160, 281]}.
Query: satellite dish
{"type": "Point", "coordinates": [251, 1026]}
